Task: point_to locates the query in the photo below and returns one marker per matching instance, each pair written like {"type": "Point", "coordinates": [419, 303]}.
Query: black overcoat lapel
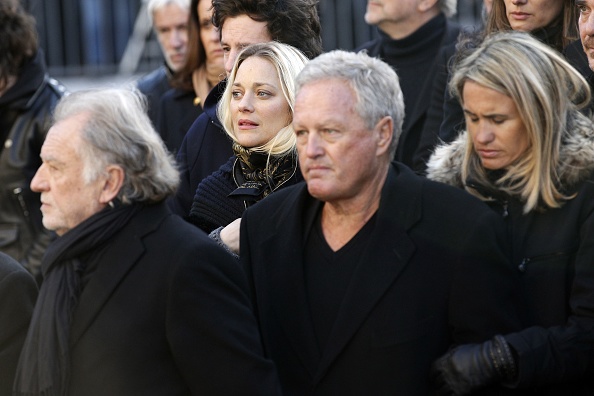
{"type": "Point", "coordinates": [385, 257]}
{"type": "Point", "coordinates": [286, 277]}
{"type": "Point", "coordinates": [125, 252]}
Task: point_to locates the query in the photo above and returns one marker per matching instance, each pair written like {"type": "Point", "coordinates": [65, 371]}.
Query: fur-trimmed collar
{"type": "Point", "coordinates": [576, 157]}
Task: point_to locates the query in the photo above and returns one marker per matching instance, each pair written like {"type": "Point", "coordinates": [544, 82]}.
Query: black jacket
{"type": "Point", "coordinates": [25, 117]}
{"type": "Point", "coordinates": [203, 150]}
{"type": "Point", "coordinates": [431, 275]}
{"type": "Point", "coordinates": [177, 113]}
{"type": "Point", "coordinates": [18, 292]}
{"type": "Point", "coordinates": [166, 312]}
{"type": "Point", "coordinates": [153, 86]}
{"type": "Point", "coordinates": [553, 251]}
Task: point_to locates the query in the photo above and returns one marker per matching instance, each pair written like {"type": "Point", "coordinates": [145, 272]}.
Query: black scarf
{"type": "Point", "coordinates": [43, 367]}
{"type": "Point", "coordinates": [259, 175]}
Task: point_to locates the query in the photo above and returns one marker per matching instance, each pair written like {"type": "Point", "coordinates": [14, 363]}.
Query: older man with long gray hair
{"type": "Point", "coordinates": [134, 301]}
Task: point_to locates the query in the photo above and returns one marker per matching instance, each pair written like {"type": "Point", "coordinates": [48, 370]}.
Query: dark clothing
{"type": "Point", "coordinates": [575, 54]}
{"type": "Point", "coordinates": [153, 86]}
{"type": "Point", "coordinates": [327, 275]}
{"type": "Point", "coordinates": [213, 207]}
{"type": "Point", "coordinates": [552, 251]}
{"type": "Point", "coordinates": [413, 59]}
{"type": "Point", "coordinates": [25, 117]}
{"type": "Point", "coordinates": [203, 150]}
{"type": "Point", "coordinates": [160, 313]}
{"type": "Point", "coordinates": [445, 116]}
{"type": "Point", "coordinates": [18, 292]}
{"type": "Point", "coordinates": [177, 113]}
{"type": "Point", "coordinates": [423, 281]}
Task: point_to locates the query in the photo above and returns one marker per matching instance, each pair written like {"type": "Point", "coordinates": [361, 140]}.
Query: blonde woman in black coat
{"type": "Point", "coordinates": [529, 152]}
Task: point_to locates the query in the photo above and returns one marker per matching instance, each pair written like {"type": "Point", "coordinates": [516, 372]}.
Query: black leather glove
{"type": "Point", "coordinates": [467, 368]}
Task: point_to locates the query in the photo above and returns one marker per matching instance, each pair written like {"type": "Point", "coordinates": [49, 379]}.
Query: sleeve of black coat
{"type": "Point", "coordinates": [212, 330]}
{"type": "Point", "coordinates": [18, 292]}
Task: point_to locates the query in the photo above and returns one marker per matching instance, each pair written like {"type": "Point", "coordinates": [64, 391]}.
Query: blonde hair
{"type": "Point", "coordinates": [288, 62]}
{"type": "Point", "coordinates": [548, 93]}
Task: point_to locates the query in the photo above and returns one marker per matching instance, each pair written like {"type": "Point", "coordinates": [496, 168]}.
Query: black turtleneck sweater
{"type": "Point", "coordinates": [412, 57]}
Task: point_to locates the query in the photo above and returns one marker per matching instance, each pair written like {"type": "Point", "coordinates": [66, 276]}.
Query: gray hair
{"type": "Point", "coordinates": [119, 132]}
{"type": "Point", "coordinates": [154, 5]}
{"type": "Point", "coordinates": [448, 7]}
{"type": "Point", "coordinates": [374, 83]}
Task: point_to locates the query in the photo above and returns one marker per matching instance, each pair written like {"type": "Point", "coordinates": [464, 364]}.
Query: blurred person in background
{"type": "Point", "coordinates": [170, 24]}
{"type": "Point", "coordinates": [203, 69]}
{"type": "Point", "coordinates": [411, 34]}
{"type": "Point", "coordinates": [27, 98]}
{"type": "Point", "coordinates": [206, 146]}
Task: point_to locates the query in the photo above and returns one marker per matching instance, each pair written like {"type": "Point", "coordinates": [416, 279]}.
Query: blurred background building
{"type": "Point", "coordinates": [110, 41]}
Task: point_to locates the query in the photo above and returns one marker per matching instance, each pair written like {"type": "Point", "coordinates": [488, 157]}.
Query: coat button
{"type": "Point", "coordinates": [8, 143]}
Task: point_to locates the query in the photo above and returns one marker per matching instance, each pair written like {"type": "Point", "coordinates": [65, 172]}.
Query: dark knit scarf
{"type": "Point", "coordinates": [43, 367]}
{"type": "Point", "coordinates": [258, 175]}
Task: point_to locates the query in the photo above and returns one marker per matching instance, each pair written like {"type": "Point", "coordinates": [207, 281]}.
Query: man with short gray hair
{"type": "Point", "coordinates": [170, 24]}
{"type": "Point", "coordinates": [411, 34]}
{"type": "Point", "coordinates": [135, 301]}
{"type": "Point", "coordinates": [366, 273]}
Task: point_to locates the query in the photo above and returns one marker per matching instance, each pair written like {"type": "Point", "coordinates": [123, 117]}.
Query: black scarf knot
{"type": "Point", "coordinates": [258, 174]}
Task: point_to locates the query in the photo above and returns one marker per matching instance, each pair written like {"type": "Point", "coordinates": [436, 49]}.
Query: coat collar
{"type": "Point", "coordinates": [576, 157]}
{"type": "Point", "coordinates": [123, 254]}
{"type": "Point", "coordinates": [399, 210]}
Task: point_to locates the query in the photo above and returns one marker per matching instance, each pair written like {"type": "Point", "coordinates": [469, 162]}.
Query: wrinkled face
{"type": "Point", "coordinates": [389, 11]}
{"type": "Point", "coordinates": [239, 32]}
{"type": "Point", "coordinates": [498, 133]}
{"type": "Point", "coordinates": [66, 200]}
{"type": "Point", "coordinates": [338, 154]}
{"type": "Point", "coordinates": [209, 35]}
{"type": "Point", "coordinates": [529, 15]}
{"type": "Point", "coordinates": [258, 106]}
{"type": "Point", "coordinates": [171, 26]}
{"type": "Point", "coordinates": [586, 25]}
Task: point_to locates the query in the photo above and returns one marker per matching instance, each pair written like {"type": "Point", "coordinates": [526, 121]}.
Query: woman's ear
{"type": "Point", "coordinates": [113, 183]}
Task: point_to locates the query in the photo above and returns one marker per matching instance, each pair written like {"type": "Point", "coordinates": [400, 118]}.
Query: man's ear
{"type": "Point", "coordinates": [385, 130]}
{"type": "Point", "coordinates": [113, 183]}
{"type": "Point", "coordinates": [426, 5]}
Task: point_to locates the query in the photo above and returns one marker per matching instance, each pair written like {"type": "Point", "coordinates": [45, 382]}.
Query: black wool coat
{"type": "Point", "coordinates": [166, 312]}
{"type": "Point", "coordinates": [431, 276]}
